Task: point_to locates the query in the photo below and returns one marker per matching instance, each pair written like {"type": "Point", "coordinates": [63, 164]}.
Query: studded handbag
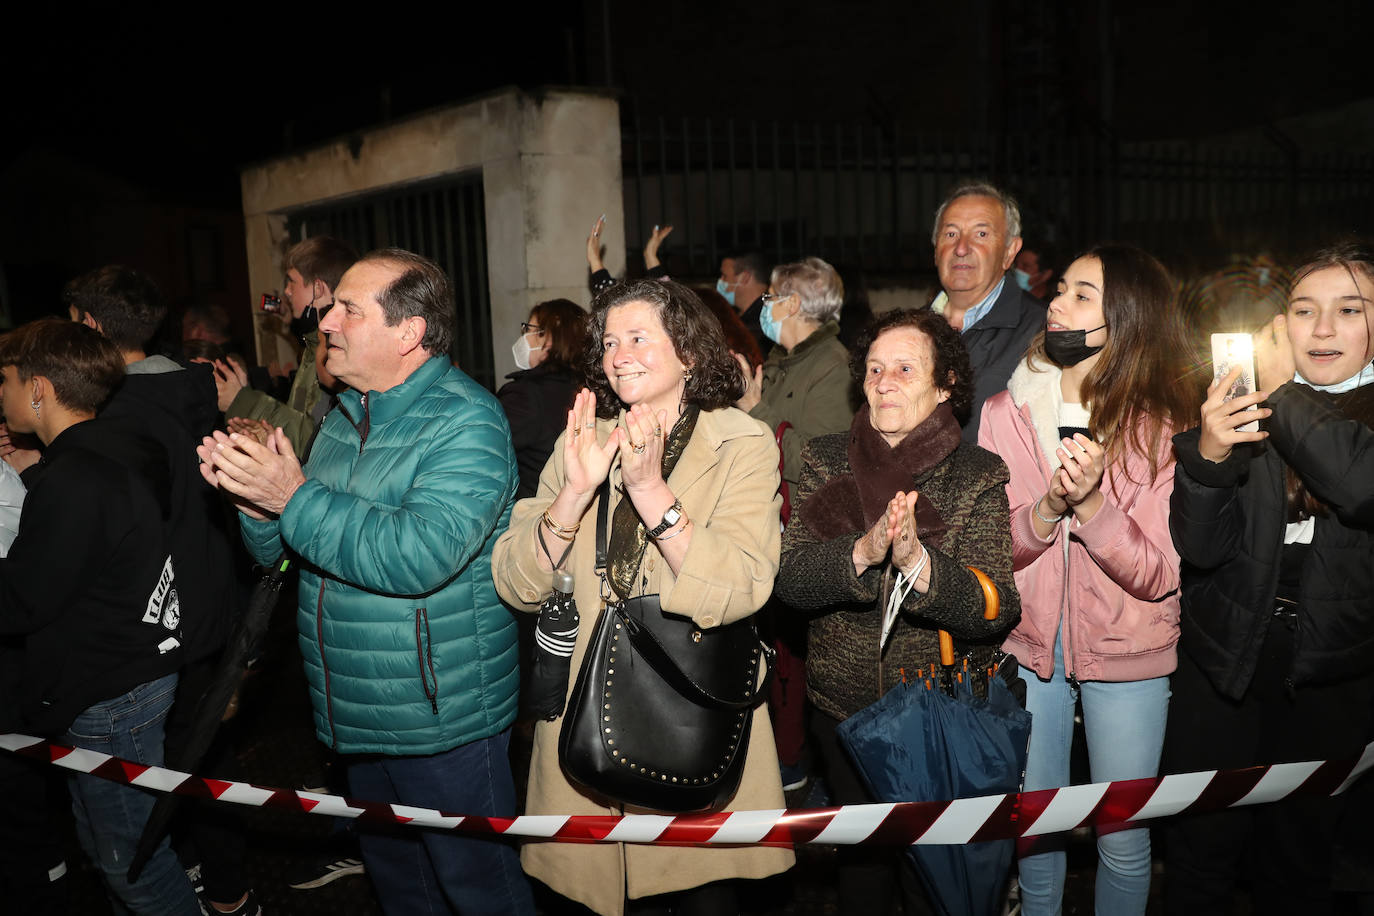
{"type": "Point", "coordinates": [660, 713]}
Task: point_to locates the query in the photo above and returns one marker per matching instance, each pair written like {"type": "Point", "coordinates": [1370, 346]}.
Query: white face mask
{"type": "Point", "coordinates": [1358, 380]}
{"type": "Point", "coordinates": [521, 350]}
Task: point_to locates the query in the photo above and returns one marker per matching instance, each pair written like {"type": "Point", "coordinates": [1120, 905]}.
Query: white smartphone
{"type": "Point", "coordinates": [1229, 351]}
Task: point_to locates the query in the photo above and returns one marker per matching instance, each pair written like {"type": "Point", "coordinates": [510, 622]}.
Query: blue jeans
{"type": "Point", "coordinates": [110, 816]}
{"type": "Point", "coordinates": [1124, 725]}
{"type": "Point", "coordinates": [419, 871]}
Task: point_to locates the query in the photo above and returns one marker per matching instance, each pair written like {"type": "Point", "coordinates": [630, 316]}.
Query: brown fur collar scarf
{"type": "Point", "coordinates": [852, 503]}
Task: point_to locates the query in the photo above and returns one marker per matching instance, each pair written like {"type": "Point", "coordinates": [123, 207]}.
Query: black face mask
{"type": "Point", "coordinates": [1069, 348]}
{"type": "Point", "coordinates": [307, 322]}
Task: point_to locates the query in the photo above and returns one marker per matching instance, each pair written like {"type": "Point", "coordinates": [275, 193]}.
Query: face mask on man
{"type": "Point", "coordinates": [521, 350]}
{"type": "Point", "coordinates": [1069, 348]}
{"type": "Point", "coordinates": [1022, 278]}
{"type": "Point", "coordinates": [308, 320]}
{"type": "Point", "coordinates": [726, 290]}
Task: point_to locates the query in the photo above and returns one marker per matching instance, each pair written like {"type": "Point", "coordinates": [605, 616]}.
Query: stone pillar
{"type": "Point", "coordinates": [550, 164]}
{"type": "Point", "coordinates": [558, 171]}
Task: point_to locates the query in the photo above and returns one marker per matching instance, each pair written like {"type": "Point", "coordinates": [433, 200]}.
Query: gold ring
{"type": "Point", "coordinates": [658, 430]}
{"type": "Point", "coordinates": [637, 449]}
{"type": "Point", "coordinates": [577, 431]}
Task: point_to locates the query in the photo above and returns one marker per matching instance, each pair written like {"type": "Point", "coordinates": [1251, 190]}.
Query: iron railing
{"type": "Point", "coordinates": [446, 222]}
{"type": "Point", "coordinates": [865, 196]}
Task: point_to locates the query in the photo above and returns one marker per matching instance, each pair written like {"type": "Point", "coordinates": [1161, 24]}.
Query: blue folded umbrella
{"type": "Point", "coordinates": [919, 744]}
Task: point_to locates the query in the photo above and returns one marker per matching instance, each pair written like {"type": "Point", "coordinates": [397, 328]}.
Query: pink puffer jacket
{"type": "Point", "coordinates": [1113, 582]}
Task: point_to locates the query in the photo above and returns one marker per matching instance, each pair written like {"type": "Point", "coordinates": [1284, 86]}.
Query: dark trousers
{"type": "Point", "coordinates": [33, 867]}
{"type": "Point", "coordinates": [872, 879]}
{"type": "Point", "coordinates": [1286, 847]}
{"type": "Point", "coordinates": [423, 872]}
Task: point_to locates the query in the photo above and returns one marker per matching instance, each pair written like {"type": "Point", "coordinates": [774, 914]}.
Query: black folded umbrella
{"type": "Point", "coordinates": [243, 640]}
{"type": "Point", "coordinates": [554, 637]}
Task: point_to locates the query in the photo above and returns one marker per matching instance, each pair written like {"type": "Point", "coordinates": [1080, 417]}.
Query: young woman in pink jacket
{"type": "Point", "coordinates": [1084, 427]}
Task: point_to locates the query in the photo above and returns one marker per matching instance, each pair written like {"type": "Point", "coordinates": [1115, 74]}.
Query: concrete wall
{"type": "Point", "coordinates": [550, 165]}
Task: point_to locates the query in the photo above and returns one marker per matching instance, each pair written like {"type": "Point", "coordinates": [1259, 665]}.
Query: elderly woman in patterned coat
{"type": "Point", "coordinates": [899, 501]}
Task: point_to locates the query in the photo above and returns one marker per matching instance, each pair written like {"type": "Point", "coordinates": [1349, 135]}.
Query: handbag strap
{"type": "Point", "coordinates": [603, 497]}
{"type": "Point", "coordinates": [648, 646]}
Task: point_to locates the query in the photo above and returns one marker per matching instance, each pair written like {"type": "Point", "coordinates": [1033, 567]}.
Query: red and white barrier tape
{"type": "Point", "coordinates": [965, 820]}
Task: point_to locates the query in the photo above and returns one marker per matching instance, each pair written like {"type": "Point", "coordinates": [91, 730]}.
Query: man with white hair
{"type": "Point", "coordinates": [976, 236]}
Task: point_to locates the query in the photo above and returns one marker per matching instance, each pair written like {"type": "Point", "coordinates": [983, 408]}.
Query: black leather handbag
{"type": "Point", "coordinates": [659, 716]}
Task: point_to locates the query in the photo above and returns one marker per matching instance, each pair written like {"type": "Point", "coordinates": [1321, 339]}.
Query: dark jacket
{"type": "Point", "coordinates": [997, 343]}
{"type": "Point", "coordinates": [89, 583]}
{"type": "Point", "coordinates": [536, 402]}
{"type": "Point", "coordinates": [176, 406]}
{"type": "Point", "coordinates": [1228, 522]}
{"type": "Point", "coordinates": [844, 670]}
{"type": "Point", "coordinates": [295, 417]}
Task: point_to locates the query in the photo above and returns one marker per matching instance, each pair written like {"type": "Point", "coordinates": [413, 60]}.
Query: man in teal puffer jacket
{"type": "Point", "coordinates": [410, 655]}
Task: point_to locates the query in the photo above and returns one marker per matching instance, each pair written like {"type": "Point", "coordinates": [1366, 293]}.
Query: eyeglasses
{"type": "Point", "coordinates": [527, 328]}
{"type": "Point", "coordinates": [770, 298]}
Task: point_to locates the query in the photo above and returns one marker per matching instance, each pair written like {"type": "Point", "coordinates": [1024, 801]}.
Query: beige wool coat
{"type": "Point", "coordinates": [727, 481]}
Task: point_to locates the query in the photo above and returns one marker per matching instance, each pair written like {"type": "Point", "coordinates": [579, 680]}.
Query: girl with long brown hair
{"type": "Point", "coordinates": [1084, 427]}
{"type": "Point", "coordinates": [1276, 531]}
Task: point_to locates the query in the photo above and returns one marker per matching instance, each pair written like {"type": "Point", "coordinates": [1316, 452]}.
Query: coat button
{"type": "Point", "coordinates": [708, 621]}
{"type": "Point", "coordinates": [651, 564]}
{"type": "Point", "coordinates": [529, 596]}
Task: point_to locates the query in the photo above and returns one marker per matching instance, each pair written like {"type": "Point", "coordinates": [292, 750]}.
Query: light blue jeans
{"type": "Point", "coordinates": [1124, 725]}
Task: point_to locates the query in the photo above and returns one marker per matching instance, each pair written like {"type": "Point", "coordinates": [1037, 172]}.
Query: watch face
{"type": "Point", "coordinates": [672, 515]}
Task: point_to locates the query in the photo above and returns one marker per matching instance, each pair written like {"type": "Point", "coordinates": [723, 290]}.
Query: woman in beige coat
{"type": "Point", "coordinates": [661, 382]}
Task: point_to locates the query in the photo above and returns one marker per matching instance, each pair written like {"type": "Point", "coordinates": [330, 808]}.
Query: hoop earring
{"type": "Point", "coordinates": [35, 405]}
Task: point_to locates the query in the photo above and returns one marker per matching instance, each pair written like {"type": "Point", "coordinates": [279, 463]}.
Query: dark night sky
{"type": "Point", "coordinates": [126, 131]}
{"type": "Point", "coordinates": [177, 108]}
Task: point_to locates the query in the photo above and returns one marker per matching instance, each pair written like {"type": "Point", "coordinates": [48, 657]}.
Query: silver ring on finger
{"type": "Point", "coordinates": [637, 449]}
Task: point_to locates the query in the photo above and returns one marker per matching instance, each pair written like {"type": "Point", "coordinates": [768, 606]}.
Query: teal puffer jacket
{"type": "Point", "coordinates": [407, 648]}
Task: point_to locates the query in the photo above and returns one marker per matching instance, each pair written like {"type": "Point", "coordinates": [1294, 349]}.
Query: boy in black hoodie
{"type": "Point", "coordinates": [90, 588]}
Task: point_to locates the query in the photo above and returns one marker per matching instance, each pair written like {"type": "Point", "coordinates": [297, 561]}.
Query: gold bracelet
{"type": "Point", "coordinates": [564, 534]}
{"type": "Point", "coordinates": [668, 537]}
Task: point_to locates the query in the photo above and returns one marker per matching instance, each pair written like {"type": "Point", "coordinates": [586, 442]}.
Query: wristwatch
{"type": "Point", "coordinates": [671, 517]}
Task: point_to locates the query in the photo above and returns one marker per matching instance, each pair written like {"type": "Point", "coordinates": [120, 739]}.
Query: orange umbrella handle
{"type": "Point", "coordinates": [992, 605]}
{"type": "Point", "coordinates": [946, 648]}
{"type": "Point", "coordinates": [991, 600]}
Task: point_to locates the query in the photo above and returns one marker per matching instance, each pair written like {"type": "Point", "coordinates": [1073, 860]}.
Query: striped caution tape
{"type": "Point", "coordinates": [965, 820]}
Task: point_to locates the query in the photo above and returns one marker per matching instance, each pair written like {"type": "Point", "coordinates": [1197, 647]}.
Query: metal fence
{"type": "Point", "coordinates": [865, 196]}
{"type": "Point", "coordinates": [446, 222]}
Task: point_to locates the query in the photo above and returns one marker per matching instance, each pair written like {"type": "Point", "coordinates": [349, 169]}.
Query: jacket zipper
{"type": "Point", "coordinates": [319, 638]}
{"type": "Point", "coordinates": [424, 651]}
{"type": "Point", "coordinates": [361, 428]}
{"type": "Point", "coordinates": [1065, 641]}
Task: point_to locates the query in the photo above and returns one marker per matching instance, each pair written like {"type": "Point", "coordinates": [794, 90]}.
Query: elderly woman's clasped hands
{"type": "Point", "coordinates": [895, 532]}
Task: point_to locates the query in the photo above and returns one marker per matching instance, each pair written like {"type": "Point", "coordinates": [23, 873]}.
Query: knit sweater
{"type": "Point", "coordinates": [844, 669]}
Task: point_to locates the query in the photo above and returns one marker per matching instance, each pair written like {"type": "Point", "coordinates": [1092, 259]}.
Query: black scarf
{"type": "Point", "coordinates": [629, 537]}
{"type": "Point", "coordinates": [852, 503]}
